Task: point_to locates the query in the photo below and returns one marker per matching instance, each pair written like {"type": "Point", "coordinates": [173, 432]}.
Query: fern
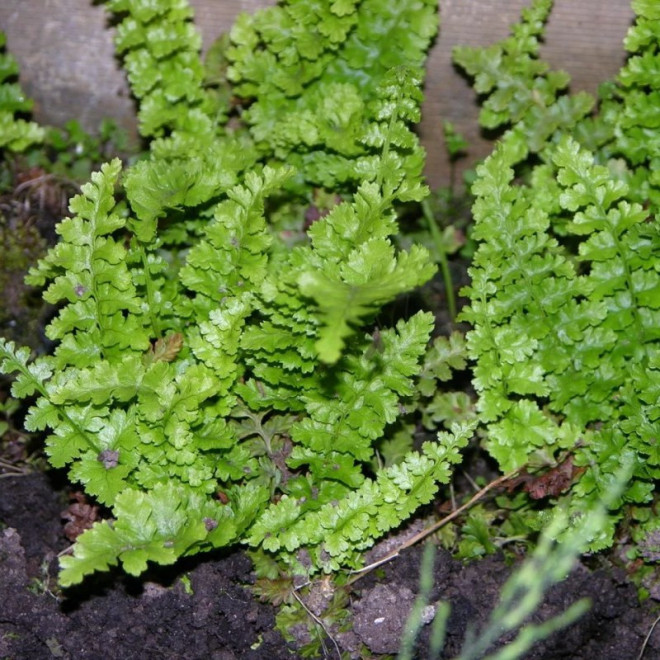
{"type": "Point", "coordinates": [87, 269]}
{"type": "Point", "coordinates": [564, 296]}
{"type": "Point", "coordinates": [187, 165]}
{"type": "Point", "coordinates": [161, 48]}
{"type": "Point", "coordinates": [335, 534]}
{"type": "Point", "coordinates": [211, 383]}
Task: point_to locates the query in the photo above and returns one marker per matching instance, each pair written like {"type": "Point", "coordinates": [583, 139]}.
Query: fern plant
{"type": "Point", "coordinates": [210, 383]}
{"type": "Point", "coordinates": [564, 299]}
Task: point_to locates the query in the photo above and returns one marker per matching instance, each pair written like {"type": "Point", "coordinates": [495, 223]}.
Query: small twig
{"type": "Point", "coordinates": [13, 470]}
{"type": "Point", "coordinates": [429, 530]}
{"type": "Point", "coordinates": [46, 178]}
{"type": "Point", "coordinates": [471, 481]}
{"type": "Point", "coordinates": [318, 622]}
{"type": "Point", "coordinates": [647, 638]}
{"type": "Point", "coordinates": [67, 551]}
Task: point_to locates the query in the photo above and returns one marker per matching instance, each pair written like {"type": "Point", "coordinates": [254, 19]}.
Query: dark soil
{"type": "Point", "coordinates": [218, 617]}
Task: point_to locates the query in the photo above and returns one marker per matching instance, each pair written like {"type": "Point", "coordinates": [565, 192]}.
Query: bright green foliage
{"type": "Point", "coordinates": [338, 532]}
{"type": "Point", "coordinates": [343, 423]}
{"type": "Point", "coordinates": [15, 134]}
{"type": "Point", "coordinates": [212, 384]}
{"type": "Point", "coordinates": [231, 258]}
{"type": "Point", "coordinates": [312, 72]}
{"type": "Point", "coordinates": [636, 131]}
{"type": "Point", "coordinates": [366, 277]}
{"type": "Point", "coordinates": [127, 418]}
{"type": "Point", "coordinates": [187, 165]}
{"type": "Point", "coordinates": [547, 336]}
{"type": "Point", "coordinates": [446, 354]}
{"type": "Point", "coordinates": [183, 171]}
{"type": "Point", "coordinates": [629, 125]}
{"type": "Point", "coordinates": [351, 268]}
{"type": "Point", "coordinates": [565, 294]}
{"type": "Point", "coordinates": [521, 89]}
{"type": "Point", "coordinates": [436, 404]}
{"type": "Point", "coordinates": [160, 47]}
{"type": "Point", "coordinates": [160, 526]}
{"type": "Point", "coordinates": [88, 272]}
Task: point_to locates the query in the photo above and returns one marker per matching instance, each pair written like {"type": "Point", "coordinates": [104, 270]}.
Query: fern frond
{"type": "Point", "coordinates": [160, 47]}
{"type": "Point", "coordinates": [311, 95]}
{"type": "Point", "coordinates": [522, 90]}
{"type": "Point", "coordinates": [159, 526]}
{"type": "Point", "coordinates": [334, 535]}
{"type": "Point", "coordinates": [87, 270]}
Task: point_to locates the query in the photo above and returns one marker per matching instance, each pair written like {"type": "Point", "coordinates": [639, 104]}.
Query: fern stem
{"type": "Point", "coordinates": [442, 258]}
{"type": "Point", "coordinates": [386, 149]}
{"type": "Point", "coordinates": [148, 287]}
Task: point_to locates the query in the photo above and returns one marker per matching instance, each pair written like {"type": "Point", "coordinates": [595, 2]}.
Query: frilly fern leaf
{"type": "Point", "coordinates": [161, 47]}
{"type": "Point", "coordinates": [335, 534]}
{"type": "Point", "coordinates": [183, 173]}
{"type": "Point", "coordinates": [187, 166]}
{"type": "Point", "coordinates": [313, 95]}
{"type": "Point", "coordinates": [521, 89]}
{"type": "Point", "coordinates": [371, 276]}
{"type": "Point", "coordinates": [543, 333]}
{"type": "Point", "coordinates": [232, 257]}
{"type": "Point", "coordinates": [352, 267]}
{"type": "Point", "coordinates": [150, 527]}
{"type": "Point", "coordinates": [87, 270]}
{"type": "Point", "coordinates": [365, 397]}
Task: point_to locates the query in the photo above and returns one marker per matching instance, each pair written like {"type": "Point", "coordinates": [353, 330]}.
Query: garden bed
{"type": "Point", "coordinates": [203, 608]}
{"type": "Point", "coordinates": [299, 407]}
